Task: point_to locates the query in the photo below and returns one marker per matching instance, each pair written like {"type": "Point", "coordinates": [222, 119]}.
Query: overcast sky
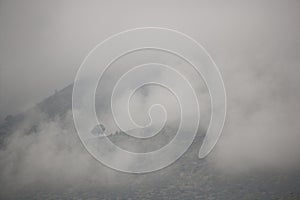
{"type": "Point", "coordinates": [42, 43]}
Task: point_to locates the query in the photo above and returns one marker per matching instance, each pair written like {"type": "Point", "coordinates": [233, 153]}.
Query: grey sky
{"type": "Point", "coordinates": [42, 43]}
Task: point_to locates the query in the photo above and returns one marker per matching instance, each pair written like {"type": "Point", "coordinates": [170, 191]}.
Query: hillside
{"type": "Point", "coordinates": [188, 178]}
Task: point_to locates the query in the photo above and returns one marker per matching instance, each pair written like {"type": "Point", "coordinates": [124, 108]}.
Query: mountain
{"type": "Point", "coordinates": [56, 105]}
{"type": "Point", "coordinates": [187, 178]}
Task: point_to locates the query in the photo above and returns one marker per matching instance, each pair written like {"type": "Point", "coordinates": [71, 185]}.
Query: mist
{"type": "Point", "coordinates": [255, 44]}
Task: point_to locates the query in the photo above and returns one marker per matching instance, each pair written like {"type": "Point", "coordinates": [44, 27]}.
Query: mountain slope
{"type": "Point", "coordinates": [62, 168]}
